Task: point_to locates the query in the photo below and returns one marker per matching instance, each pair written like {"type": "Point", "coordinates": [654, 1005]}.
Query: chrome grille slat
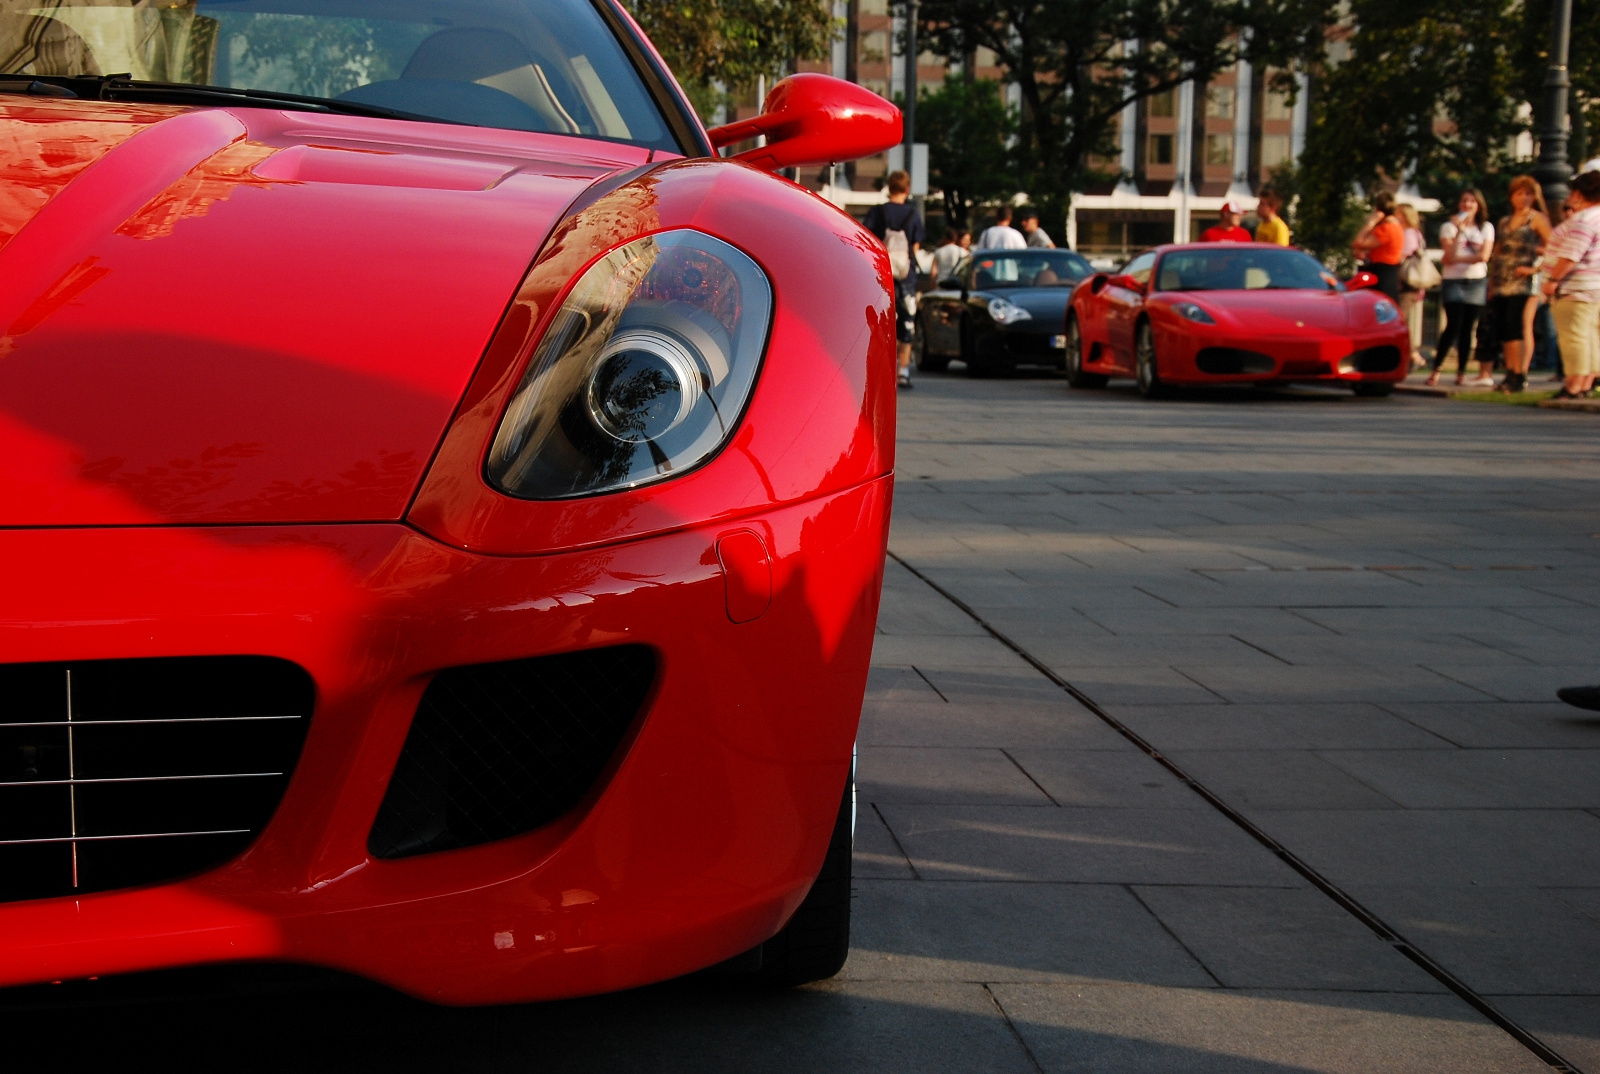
{"type": "Point", "coordinates": [122, 772]}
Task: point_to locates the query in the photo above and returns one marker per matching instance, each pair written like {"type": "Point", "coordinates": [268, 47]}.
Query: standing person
{"type": "Point", "coordinates": [949, 254]}
{"type": "Point", "coordinates": [1227, 229]}
{"type": "Point", "coordinates": [1467, 239]}
{"type": "Point", "coordinates": [1572, 283]}
{"type": "Point", "coordinates": [1411, 300]}
{"type": "Point", "coordinates": [1381, 243]}
{"type": "Point", "coordinates": [1518, 241]}
{"type": "Point", "coordinates": [1028, 221]}
{"type": "Point", "coordinates": [899, 228]}
{"type": "Point", "coordinates": [1271, 228]}
{"type": "Point", "coordinates": [1002, 236]}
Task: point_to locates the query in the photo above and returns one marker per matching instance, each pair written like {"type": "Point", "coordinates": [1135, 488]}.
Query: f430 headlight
{"type": "Point", "coordinates": [1193, 312]}
{"type": "Point", "coordinates": [641, 374]}
{"type": "Point", "coordinates": [1385, 312]}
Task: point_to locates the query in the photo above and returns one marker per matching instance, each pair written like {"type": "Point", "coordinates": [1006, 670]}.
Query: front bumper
{"type": "Point", "coordinates": [1204, 354]}
{"type": "Point", "coordinates": [699, 844]}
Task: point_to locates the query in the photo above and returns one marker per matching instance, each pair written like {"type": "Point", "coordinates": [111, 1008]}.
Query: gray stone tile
{"type": "Point", "coordinates": [1478, 779]}
{"type": "Point", "coordinates": [1465, 847]}
{"type": "Point", "coordinates": [1498, 725]}
{"type": "Point", "coordinates": [1082, 845]}
{"type": "Point", "coordinates": [905, 612]}
{"type": "Point", "coordinates": [1352, 617]}
{"type": "Point", "coordinates": [877, 855]}
{"type": "Point", "coordinates": [1282, 938]}
{"type": "Point", "coordinates": [1005, 724]}
{"type": "Point", "coordinates": [930, 651]}
{"type": "Point", "coordinates": [898, 685]}
{"type": "Point", "coordinates": [926, 774]}
{"type": "Point", "coordinates": [1278, 779]}
{"type": "Point", "coordinates": [958, 931]}
{"type": "Point", "coordinates": [1517, 683]}
{"type": "Point", "coordinates": [1136, 1029]}
{"type": "Point", "coordinates": [1263, 684]}
{"type": "Point", "coordinates": [1136, 685]}
{"type": "Point", "coordinates": [1266, 622]}
{"type": "Point", "coordinates": [1125, 780]}
{"type": "Point", "coordinates": [1380, 650]}
{"type": "Point", "coordinates": [1501, 940]}
{"type": "Point", "coordinates": [1274, 727]}
{"type": "Point", "coordinates": [1138, 651]}
{"type": "Point", "coordinates": [1569, 1024]}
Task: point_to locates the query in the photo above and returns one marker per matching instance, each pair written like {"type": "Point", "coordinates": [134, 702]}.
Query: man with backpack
{"type": "Point", "coordinates": [899, 228]}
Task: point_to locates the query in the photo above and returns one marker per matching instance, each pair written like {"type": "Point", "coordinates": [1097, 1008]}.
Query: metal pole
{"type": "Point", "coordinates": [1553, 171]}
{"type": "Point", "coordinates": [910, 110]}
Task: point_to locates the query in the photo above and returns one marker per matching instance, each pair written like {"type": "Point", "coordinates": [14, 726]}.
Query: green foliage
{"type": "Point", "coordinates": [969, 130]}
{"type": "Point", "coordinates": [1069, 60]}
{"type": "Point", "coordinates": [734, 42]}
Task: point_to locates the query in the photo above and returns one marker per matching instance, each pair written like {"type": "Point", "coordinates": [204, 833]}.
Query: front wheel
{"type": "Point", "coordinates": [1373, 391]}
{"type": "Point", "coordinates": [1145, 368]}
{"type": "Point", "coordinates": [1075, 374]}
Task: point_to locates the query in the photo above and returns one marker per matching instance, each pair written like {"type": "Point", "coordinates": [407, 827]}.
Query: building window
{"type": "Point", "coordinates": [1219, 102]}
{"type": "Point", "coordinates": [875, 47]}
{"type": "Point", "coordinates": [1160, 151]}
{"type": "Point", "coordinates": [1274, 150]}
{"type": "Point", "coordinates": [1275, 105]}
{"type": "Point", "coordinates": [1219, 149]}
{"type": "Point", "coordinates": [1164, 105]}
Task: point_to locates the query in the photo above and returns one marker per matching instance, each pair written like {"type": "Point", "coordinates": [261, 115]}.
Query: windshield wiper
{"type": "Point", "coordinates": [123, 87]}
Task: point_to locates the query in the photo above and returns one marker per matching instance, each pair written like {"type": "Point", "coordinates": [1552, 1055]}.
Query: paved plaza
{"type": "Point", "coordinates": [1344, 619]}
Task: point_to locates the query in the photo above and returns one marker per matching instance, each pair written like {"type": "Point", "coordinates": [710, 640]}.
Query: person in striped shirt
{"type": "Point", "coordinates": [1572, 284]}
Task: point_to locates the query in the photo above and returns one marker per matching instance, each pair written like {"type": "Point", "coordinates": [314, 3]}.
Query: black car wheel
{"type": "Point", "coordinates": [1144, 348]}
{"type": "Point", "coordinates": [816, 941]}
{"type": "Point", "coordinates": [1075, 374]}
{"type": "Point", "coordinates": [928, 363]}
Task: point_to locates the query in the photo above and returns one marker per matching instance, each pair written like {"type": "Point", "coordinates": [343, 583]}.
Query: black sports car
{"type": "Point", "coordinates": [1000, 309]}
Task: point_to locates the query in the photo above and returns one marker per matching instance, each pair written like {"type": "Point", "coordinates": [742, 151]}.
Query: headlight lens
{"type": "Point", "coordinates": [1385, 311]}
{"type": "Point", "coordinates": [1004, 311]}
{"type": "Point", "coordinates": [641, 374]}
{"type": "Point", "coordinates": [1192, 312]}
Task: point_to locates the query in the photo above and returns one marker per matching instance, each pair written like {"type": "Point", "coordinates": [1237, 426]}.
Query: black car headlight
{"type": "Point", "coordinates": [642, 373]}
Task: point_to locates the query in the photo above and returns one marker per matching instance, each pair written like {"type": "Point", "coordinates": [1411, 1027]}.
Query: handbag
{"type": "Point", "coordinates": [1419, 273]}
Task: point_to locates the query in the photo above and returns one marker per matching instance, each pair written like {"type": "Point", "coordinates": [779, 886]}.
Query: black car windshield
{"type": "Point", "coordinates": [532, 65]}
{"type": "Point", "coordinates": [1028, 268]}
{"type": "Point", "coordinates": [1242, 267]}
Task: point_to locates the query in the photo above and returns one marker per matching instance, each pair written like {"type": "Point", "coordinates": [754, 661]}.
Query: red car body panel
{"type": "Point", "coordinates": [1306, 334]}
{"type": "Point", "coordinates": [241, 342]}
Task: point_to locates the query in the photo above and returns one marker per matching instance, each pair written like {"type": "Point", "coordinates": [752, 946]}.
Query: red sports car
{"type": "Point", "coordinates": [1232, 313]}
{"type": "Point", "coordinates": [444, 503]}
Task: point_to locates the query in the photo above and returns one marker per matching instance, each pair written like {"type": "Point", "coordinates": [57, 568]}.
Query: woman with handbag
{"type": "Point", "coordinates": [1518, 243]}
{"type": "Point", "coordinates": [1417, 277]}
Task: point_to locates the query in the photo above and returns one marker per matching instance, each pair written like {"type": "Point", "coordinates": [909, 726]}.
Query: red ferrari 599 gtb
{"type": "Point", "coordinates": [444, 502]}
{"type": "Point", "coordinates": [1233, 313]}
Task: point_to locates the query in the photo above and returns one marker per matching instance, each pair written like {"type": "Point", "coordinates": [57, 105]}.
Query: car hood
{"type": "Point", "coordinates": [251, 315]}
{"type": "Point", "coordinates": [1275, 313]}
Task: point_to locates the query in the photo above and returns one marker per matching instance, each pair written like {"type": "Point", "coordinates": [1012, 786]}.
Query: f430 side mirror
{"type": "Point", "coordinates": [811, 120]}
{"type": "Point", "coordinates": [1361, 281]}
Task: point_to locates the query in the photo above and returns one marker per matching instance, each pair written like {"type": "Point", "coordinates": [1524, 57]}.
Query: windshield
{"type": "Point", "coordinates": [532, 65]}
{"type": "Point", "coordinates": [1242, 267]}
{"type": "Point", "coordinates": [1029, 268]}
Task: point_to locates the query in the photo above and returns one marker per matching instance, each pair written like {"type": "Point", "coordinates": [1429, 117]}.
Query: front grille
{"type": "Point", "coordinates": [496, 750]}
{"type": "Point", "coordinates": [1384, 359]}
{"type": "Point", "coordinates": [122, 772]}
{"type": "Point", "coordinates": [1305, 367]}
{"type": "Point", "coordinates": [1230, 361]}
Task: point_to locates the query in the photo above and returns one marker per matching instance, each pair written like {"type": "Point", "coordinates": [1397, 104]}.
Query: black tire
{"type": "Point", "coordinates": [1074, 359]}
{"type": "Point", "coordinates": [1144, 360]}
{"type": "Point", "coordinates": [1373, 391]}
{"type": "Point", "coordinates": [927, 363]}
{"type": "Point", "coordinates": [816, 941]}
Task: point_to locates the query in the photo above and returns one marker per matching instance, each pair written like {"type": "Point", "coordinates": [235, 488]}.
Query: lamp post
{"type": "Point", "coordinates": [909, 112]}
{"type": "Point", "coordinates": [1553, 171]}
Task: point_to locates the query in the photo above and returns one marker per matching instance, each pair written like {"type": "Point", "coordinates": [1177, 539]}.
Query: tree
{"type": "Point", "coordinates": [734, 42]}
{"type": "Point", "coordinates": [969, 130]}
{"type": "Point", "coordinates": [1076, 68]}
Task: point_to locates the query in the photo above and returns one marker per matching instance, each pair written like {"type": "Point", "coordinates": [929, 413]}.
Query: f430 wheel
{"type": "Point", "coordinates": [1144, 354]}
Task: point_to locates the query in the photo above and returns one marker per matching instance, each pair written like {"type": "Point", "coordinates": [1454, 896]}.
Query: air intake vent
{"type": "Point", "coordinates": [122, 772]}
{"type": "Point", "coordinates": [496, 750]}
{"type": "Point", "coordinates": [1371, 360]}
{"type": "Point", "coordinates": [1223, 361]}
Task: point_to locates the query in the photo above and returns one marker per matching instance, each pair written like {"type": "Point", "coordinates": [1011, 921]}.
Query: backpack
{"type": "Point", "coordinates": [899, 252]}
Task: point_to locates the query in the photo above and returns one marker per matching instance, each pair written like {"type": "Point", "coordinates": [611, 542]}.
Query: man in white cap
{"type": "Point", "coordinates": [1227, 229]}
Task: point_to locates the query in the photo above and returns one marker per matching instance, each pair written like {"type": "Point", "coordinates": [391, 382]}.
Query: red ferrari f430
{"type": "Point", "coordinates": [1233, 313]}
{"type": "Point", "coordinates": [444, 500]}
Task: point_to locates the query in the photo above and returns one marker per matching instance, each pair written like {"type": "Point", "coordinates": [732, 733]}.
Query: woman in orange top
{"type": "Point", "coordinates": [1381, 243]}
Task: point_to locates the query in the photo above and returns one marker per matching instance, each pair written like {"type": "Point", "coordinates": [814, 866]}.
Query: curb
{"type": "Point", "coordinates": [1581, 406]}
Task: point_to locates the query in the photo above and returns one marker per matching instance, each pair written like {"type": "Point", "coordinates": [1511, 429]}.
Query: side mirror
{"type": "Point", "coordinates": [811, 120]}
{"type": "Point", "coordinates": [1127, 283]}
{"type": "Point", "coordinates": [1361, 281]}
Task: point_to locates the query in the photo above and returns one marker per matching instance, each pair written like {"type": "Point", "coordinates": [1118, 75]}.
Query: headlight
{"type": "Point", "coordinates": [1192, 312]}
{"type": "Point", "coordinates": [1385, 311]}
{"type": "Point", "coordinates": [1004, 311]}
{"type": "Point", "coordinates": [641, 374]}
